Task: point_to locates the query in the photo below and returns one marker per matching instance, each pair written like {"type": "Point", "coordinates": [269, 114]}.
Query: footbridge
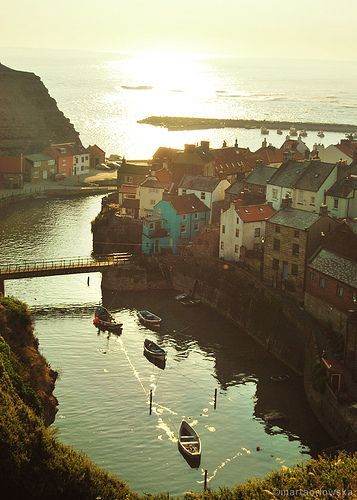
{"type": "Point", "coordinates": [56, 267]}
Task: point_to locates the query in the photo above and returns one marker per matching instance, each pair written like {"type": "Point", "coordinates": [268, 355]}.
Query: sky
{"type": "Point", "coordinates": [304, 29]}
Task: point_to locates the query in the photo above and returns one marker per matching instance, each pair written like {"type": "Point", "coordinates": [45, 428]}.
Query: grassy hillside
{"type": "Point", "coordinates": [35, 465]}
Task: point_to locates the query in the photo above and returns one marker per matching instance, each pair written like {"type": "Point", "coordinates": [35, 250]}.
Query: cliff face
{"type": "Point", "coordinates": [29, 117]}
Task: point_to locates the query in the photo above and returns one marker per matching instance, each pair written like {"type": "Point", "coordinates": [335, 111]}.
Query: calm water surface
{"type": "Point", "coordinates": [104, 382]}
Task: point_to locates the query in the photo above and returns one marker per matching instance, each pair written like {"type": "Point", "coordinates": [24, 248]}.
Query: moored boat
{"type": "Point", "coordinates": [279, 131]}
{"type": "Point", "coordinates": [264, 131]}
{"type": "Point", "coordinates": [189, 443]}
{"type": "Point", "coordinates": [104, 321]}
{"type": "Point", "coordinates": [187, 300]}
{"type": "Point", "coordinates": [152, 349]}
{"type": "Point", "coordinates": [292, 131]}
{"type": "Point", "coordinates": [147, 318]}
{"type": "Point", "coordinates": [320, 133]}
{"type": "Point", "coordinates": [280, 378]}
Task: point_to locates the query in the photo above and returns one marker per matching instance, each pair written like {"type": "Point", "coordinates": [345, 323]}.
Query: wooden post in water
{"type": "Point", "coordinates": [150, 401]}
{"type": "Point", "coordinates": [88, 281]}
{"type": "Point", "coordinates": [215, 399]}
{"type": "Point", "coordinates": [205, 481]}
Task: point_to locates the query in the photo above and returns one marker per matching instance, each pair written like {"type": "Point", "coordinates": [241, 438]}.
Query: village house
{"type": "Point", "coordinates": [152, 189]}
{"type": "Point", "coordinates": [81, 160]}
{"type": "Point", "coordinates": [96, 155]}
{"type": "Point", "coordinates": [232, 163]}
{"type": "Point", "coordinates": [291, 237]}
{"type": "Point", "coordinates": [130, 173]}
{"type": "Point", "coordinates": [305, 182]}
{"type": "Point", "coordinates": [207, 189]}
{"type": "Point", "coordinates": [345, 150]}
{"type": "Point", "coordinates": [256, 181]}
{"type": "Point", "coordinates": [331, 282]}
{"type": "Point", "coordinates": [63, 156]}
{"type": "Point", "coordinates": [38, 167]}
{"type": "Point", "coordinates": [242, 228]}
{"type": "Point", "coordinates": [296, 146]}
{"type": "Point", "coordinates": [341, 198]}
{"type": "Point", "coordinates": [194, 160]}
{"type": "Point", "coordinates": [11, 172]}
{"type": "Point", "coordinates": [271, 156]}
{"type": "Point", "coordinates": [163, 156]}
{"type": "Point", "coordinates": [175, 223]}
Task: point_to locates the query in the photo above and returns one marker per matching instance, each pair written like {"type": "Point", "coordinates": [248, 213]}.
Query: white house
{"type": "Point", "coordinates": [242, 226]}
{"type": "Point", "coordinates": [81, 161]}
{"type": "Point", "coordinates": [341, 198]}
{"type": "Point", "coordinates": [305, 182]}
{"type": "Point", "coordinates": [345, 150]}
{"type": "Point", "coordinates": [207, 189]}
{"type": "Point", "coordinates": [151, 190]}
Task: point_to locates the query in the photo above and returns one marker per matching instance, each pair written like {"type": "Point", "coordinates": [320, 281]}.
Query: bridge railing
{"type": "Point", "coordinates": [66, 263]}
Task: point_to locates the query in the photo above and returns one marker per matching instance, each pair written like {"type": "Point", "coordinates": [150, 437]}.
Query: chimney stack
{"type": "Point", "coordinates": [341, 169]}
{"type": "Point", "coordinates": [286, 202]}
{"type": "Point", "coordinates": [323, 210]}
{"type": "Point", "coordinates": [205, 145]}
{"type": "Point", "coordinates": [189, 148]}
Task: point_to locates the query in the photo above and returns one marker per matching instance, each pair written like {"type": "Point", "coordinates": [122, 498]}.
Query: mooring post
{"type": "Point", "coordinates": [88, 281]}
{"type": "Point", "coordinates": [150, 401]}
{"type": "Point", "coordinates": [205, 481]}
{"type": "Point", "coordinates": [215, 399]}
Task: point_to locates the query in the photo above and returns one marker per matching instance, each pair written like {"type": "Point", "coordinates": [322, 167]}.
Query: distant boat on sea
{"type": "Point", "coordinates": [320, 133]}
{"type": "Point", "coordinates": [264, 131]}
{"type": "Point", "coordinates": [279, 131]}
{"type": "Point", "coordinates": [292, 132]}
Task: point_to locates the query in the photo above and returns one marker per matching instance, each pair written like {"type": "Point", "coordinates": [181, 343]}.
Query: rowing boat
{"type": "Point", "coordinates": [147, 318]}
{"type": "Point", "coordinates": [153, 349]}
{"type": "Point", "coordinates": [189, 444]}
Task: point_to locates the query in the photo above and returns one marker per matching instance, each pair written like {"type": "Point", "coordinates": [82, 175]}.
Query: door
{"type": "Point", "coordinates": [285, 270]}
{"type": "Point", "coordinates": [44, 174]}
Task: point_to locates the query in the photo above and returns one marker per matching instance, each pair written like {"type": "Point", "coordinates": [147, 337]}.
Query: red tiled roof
{"type": "Point", "coordinates": [10, 165]}
{"type": "Point", "coordinates": [163, 176]}
{"type": "Point", "coordinates": [187, 203]}
{"type": "Point", "coordinates": [255, 213]}
{"type": "Point", "coordinates": [347, 148]}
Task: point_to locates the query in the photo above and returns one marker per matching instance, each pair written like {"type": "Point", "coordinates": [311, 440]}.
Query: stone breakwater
{"type": "Point", "coordinates": [190, 123]}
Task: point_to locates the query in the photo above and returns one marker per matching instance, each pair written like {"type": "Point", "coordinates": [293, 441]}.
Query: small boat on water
{"type": "Point", "coordinates": [279, 131]}
{"type": "Point", "coordinates": [149, 319]}
{"type": "Point", "coordinates": [153, 349]}
{"type": "Point", "coordinates": [320, 133]}
{"type": "Point", "coordinates": [155, 360]}
{"type": "Point", "coordinates": [104, 321]}
{"type": "Point", "coordinates": [264, 131]}
{"type": "Point", "coordinates": [187, 300]}
{"type": "Point", "coordinates": [292, 132]}
{"type": "Point", "coordinates": [189, 444]}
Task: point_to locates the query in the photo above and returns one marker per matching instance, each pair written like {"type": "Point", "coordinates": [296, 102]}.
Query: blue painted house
{"type": "Point", "coordinates": [175, 223]}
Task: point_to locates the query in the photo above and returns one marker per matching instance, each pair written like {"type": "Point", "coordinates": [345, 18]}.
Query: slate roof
{"type": "Point", "coordinates": [153, 182]}
{"type": "Point", "coordinates": [38, 157]}
{"type": "Point", "coordinates": [295, 218]}
{"type": "Point", "coordinates": [305, 175]}
{"type": "Point", "coordinates": [336, 266]}
{"type": "Point", "coordinates": [255, 213]}
{"type": "Point", "coordinates": [131, 168]}
{"type": "Point", "coordinates": [199, 183]}
{"type": "Point", "coordinates": [343, 188]}
{"type": "Point", "coordinates": [127, 188]}
{"type": "Point", "coordinates": [260, 175]}
{"type": "Point", "coordinates": [198, 156]}
{"type": "Point", "coordinates": [235, 188]}
{"type": "Point", "coordinates": [187, 203]}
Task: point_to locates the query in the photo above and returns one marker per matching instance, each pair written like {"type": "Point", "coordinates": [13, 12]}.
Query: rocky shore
{"type": "Point", "coordinates": [190, 123]}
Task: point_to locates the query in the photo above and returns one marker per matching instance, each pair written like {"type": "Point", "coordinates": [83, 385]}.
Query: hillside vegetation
{"type": "Point", "coordinates": [35, 465]}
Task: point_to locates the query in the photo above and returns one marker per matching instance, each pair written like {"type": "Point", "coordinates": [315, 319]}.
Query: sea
{"type": "Point", "coordinates": [104, 94]}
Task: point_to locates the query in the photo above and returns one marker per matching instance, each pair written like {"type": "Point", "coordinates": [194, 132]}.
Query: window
{"type": "Point", "coordinates": [51, 162]}
{"type": "Point", "coordinates": [183, 216]}
{"type": "Point", "coordinates": [196, 216]}
{"type": "Point", "coordinates": [275, 264]}
{"type": "Point", "coordinates": [82, 167]}
{"type": "Point", "coordinates": [339, 291]}
{"type": "Point", "coordinates": [237, 233]}
{"type": "Point", "coordinates": [275, 194]}
{"type": "Point", "coordinates": [195, 226]}
{"type": "Point", "coordinates": [203, 195]}
{"type": "Point", "coordinates": [296, 249]}
{"type": "Point", "coordinates": [236, 248]}
{"type": "Point", "coordinates": [183, 228]}
{"type": "Point", "coordinates": [76, 160]}
{"type": "Point", "coordinates": [82, 159]}
{"type": "Point", "coordinates": [153, 190]}
{"type": "Point", "coordinates": [223, 229]}
{"type": "Point", "coordinates": [323, 282]}
{"type": "Point", "coordinates": [335, 203]}
{"type": "Point", "coordinates": [86, 157]}
{"type": "Point", "coordinates": [237, 220]}
{"type": "Point", "coordinates": [151, 225]}
{"type": "Point", "coordinates": [312, 201]}
{"type": "Point", "coordinates": [276, 244]}
{"type": "Point", "coordinates": [296, 234]}
{"type": "Point", "coordinates": [184, 191]}
{"type": "Point", "coordinates": [129, 179]}
{"type": "Point", "coordinates": [260, 190]}
{"type": "Point", "coordinates": [222, 245]}
{"type": "Point", "coordinates": [277, 229]}
{"type": "Point", "coordinates": [294, 269]}
{"type": "Point", "coordinates": [257, 232]}
{"type": "Point", "coordinates": [152, 202]}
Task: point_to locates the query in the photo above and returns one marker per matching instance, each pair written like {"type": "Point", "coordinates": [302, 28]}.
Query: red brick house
{"type": "Point", "coordinates": [97, 155]}
{"type": "Point", "coordinates": [63, 155]}
{"type": "Point", "coordinates": [11, 172]}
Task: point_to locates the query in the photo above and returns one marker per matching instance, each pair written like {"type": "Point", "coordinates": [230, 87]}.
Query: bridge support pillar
{"type": "Point", "coordinates": [2, 287]}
